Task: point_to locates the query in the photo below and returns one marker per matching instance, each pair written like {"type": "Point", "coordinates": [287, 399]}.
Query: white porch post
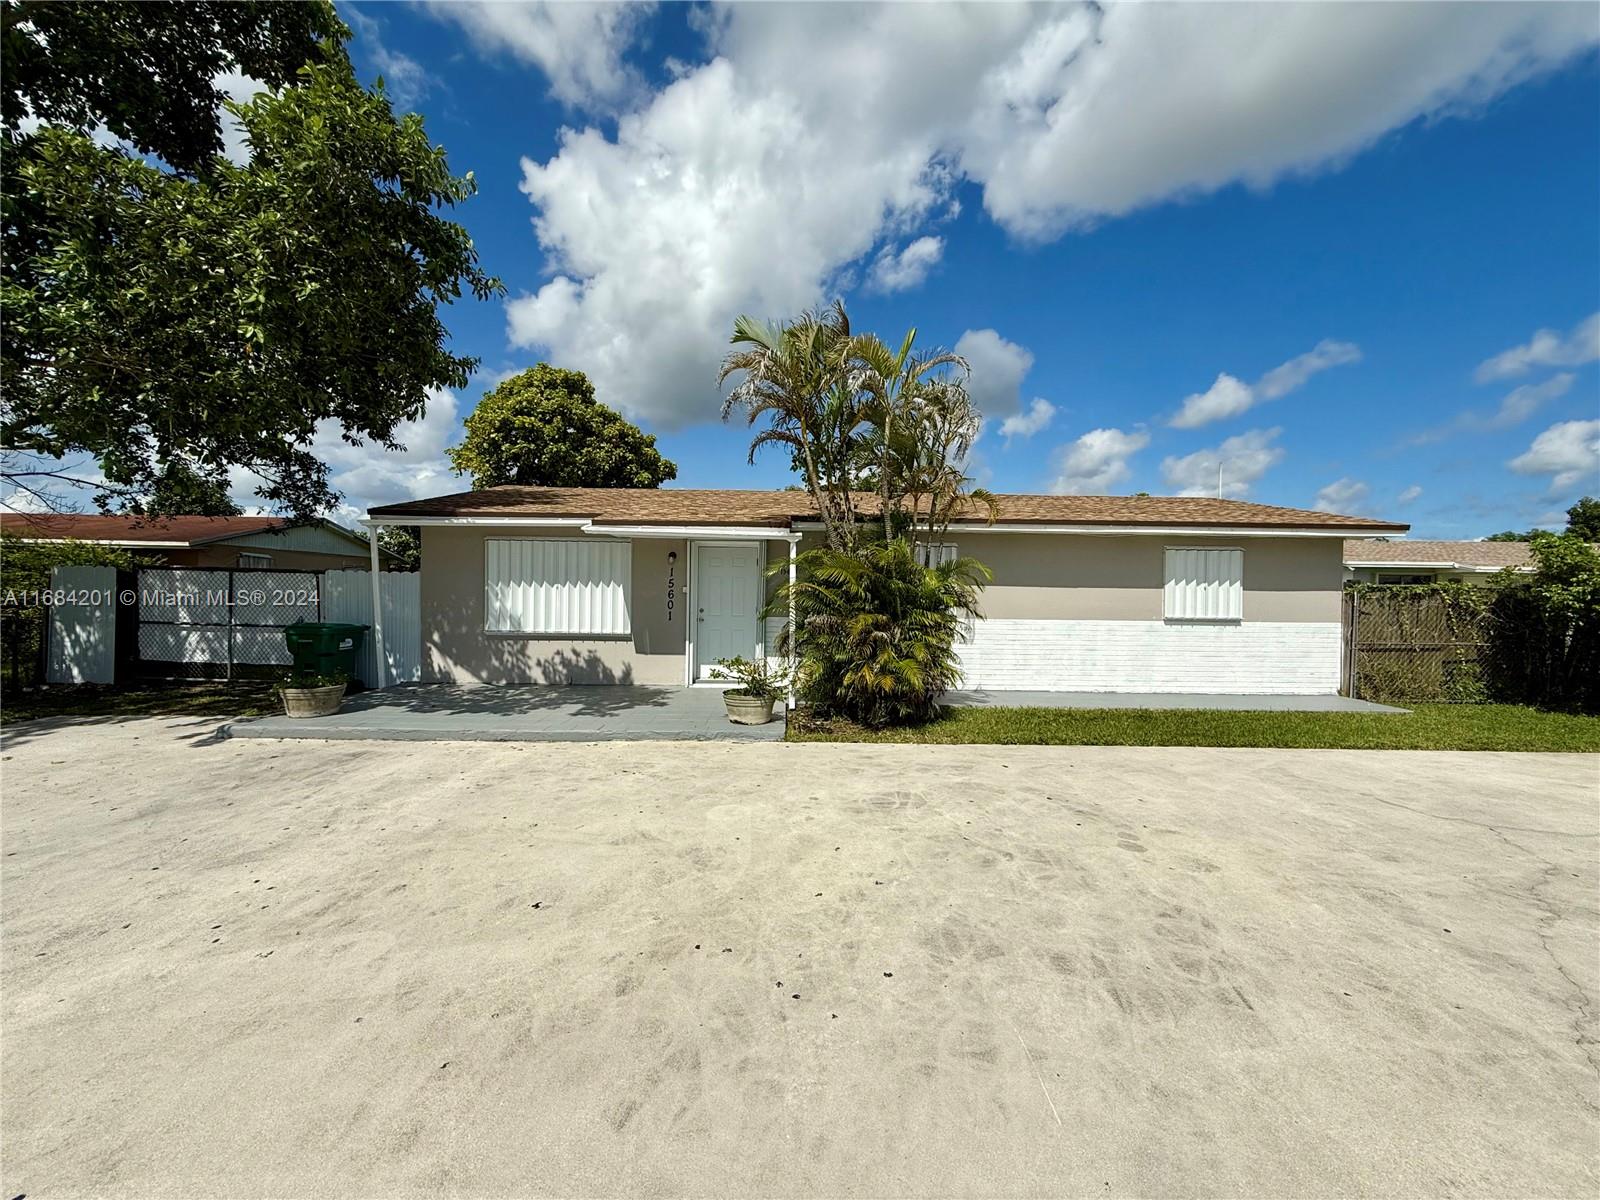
{"type": "Point", "coordinates": [794, 549]}
{"type": "Point", "coordinates": [380, 666]}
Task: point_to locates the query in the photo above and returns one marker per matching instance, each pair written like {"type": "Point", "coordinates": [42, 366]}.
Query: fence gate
{"type": "Point", "coordinates": [1408, 643]}
{"type": "Point", "coordinates": [223, 622]}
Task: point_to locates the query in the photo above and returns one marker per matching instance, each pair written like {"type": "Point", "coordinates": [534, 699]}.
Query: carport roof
{"type": "Point", "coordinates": [780, 510]}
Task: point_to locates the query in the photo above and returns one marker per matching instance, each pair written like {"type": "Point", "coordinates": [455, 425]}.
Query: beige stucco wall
{"type": "Point", "coordinates": [1112, 578]}
{"type": "Point", "coordinates": [1037, 577]}
{"type": "Point", "coordinates": [456, 649]}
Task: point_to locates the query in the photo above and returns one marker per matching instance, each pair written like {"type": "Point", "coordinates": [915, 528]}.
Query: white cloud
{"type": "Point", "coordinates": [1515, 407]}
{"type": "Point", "coordinates": [1025, 425]}
{"type": "Point", "coordinates": [1546, 348]}
{"type": "Point", "coordinates": [998, 368]}
{"type": "Point", "coordinates": [405, 79]}
{"type": "Point", "coordinates": [764, 177]}
{"type": "Point", "coordinates": [1099, 117]}
{"type": "Point", "coordinates": [578, 46]}
{"type": "Point", "coordinates": [896, 271]}
{"type": "Point", "coordinates": [1569, 452]}
{"type": "Point", "coordinates": [1097, 462]}
{"type": "Point", "coordinates": [368, 474]}
{"type": "Point", "coordinates": [1244, 459]}
{"type": "Point", "coordinates": [1289, 376]}
{"type": "Point", "coordinates": [1346, 497]}
{"type": "Point", "coordinates": [1410, 494]}
{"type": "Point", "coordinates": [715, 200]}
{"type": "Point", "coordinates": [1228, 396]}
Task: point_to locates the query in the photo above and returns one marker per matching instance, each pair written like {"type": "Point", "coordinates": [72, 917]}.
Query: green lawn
{"type": "Point", "coordinates": [246, 698]}
{"type": "Point", "coordinates": [1427, 727]}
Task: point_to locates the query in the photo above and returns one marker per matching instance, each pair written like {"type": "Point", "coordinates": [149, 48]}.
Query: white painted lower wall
{"type": "Point", "coordinates": [1267, 657]}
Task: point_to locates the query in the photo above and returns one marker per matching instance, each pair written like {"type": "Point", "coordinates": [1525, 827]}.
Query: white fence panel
{"type": "Point", "coordinates": [347, 596]}
{"type": "Point", "coordinates": [83, 634]}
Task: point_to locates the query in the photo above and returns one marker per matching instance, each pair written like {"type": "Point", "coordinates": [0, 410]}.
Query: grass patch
{"type": "Point", "coordinates": [245, 698]}
{"type": "Point", "coordinates": [1426, 727]}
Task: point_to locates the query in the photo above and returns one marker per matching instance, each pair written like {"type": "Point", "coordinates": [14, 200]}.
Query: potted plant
{"type": "Point", "coordinates": [306, 695]}
{"type": "Point", "coordinates": [760, 686]}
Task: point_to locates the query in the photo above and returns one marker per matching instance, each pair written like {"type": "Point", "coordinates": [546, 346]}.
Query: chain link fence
{"type": "Point", "coordinates": [223, 623]}
{"type": "Point", "coordinates": [1416, 644]}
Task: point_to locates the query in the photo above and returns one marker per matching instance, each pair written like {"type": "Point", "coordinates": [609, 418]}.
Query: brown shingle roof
{"type": "Point", "coordinates": [687, 506]}
{"type": "Point", "coordinates": [191, 531]}
{"type": "Point", "coordinates": [1360, 551]}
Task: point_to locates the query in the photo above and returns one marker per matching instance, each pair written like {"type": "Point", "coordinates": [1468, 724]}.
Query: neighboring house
{"type": "Point", "coordinates": [1373, 561]}
{"type": "Point", "coordinates": [204, 541]}
{"type": "Point", "coordinates": [1090, 593]}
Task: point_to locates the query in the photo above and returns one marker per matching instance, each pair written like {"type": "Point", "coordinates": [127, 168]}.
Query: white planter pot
{"type": "Point", "coordinates": [312, 702]}
{"type": "Point", "coordinates": [747, 710]}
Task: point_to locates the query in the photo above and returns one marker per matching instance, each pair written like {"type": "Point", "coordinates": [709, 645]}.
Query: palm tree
{"type": "Point", "coordinates": [794, 375]}
{"type": "Point", "coordinates": [923, 426]}
{"type": "Point", "coordinates": [941, 424]}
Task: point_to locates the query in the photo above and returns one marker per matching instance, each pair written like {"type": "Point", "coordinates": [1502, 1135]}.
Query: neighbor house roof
{"type": "Point", "coordinates": [687, 506]}
{"type": "Point", "coordinates": [147, 531]}
{"type": "Point", "coordinates": [166, 531]}
{"type": "Point", "coordinates": [1470, 556]}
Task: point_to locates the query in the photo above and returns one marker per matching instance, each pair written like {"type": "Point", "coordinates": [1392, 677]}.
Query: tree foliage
{"type": "Point", "coordinates": [875, 631]}
{"type": "Point", "coordinates": [192, 315]}
{"type": "Point", "coordinates": [1544, 645]}
{"type": "Point", "coordinates": [544, 427]}
{"type": "Point", "coordinates": [147, 73]}
{"type": "Point", "coordinates": [404, 543]}
{"type": "Point", "coordinates": [1583, 519]}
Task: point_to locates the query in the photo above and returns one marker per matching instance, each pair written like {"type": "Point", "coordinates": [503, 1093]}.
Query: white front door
{"type": "Point", "coordinates": [727, 602]}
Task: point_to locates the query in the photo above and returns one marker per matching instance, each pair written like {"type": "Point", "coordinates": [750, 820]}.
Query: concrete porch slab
{"type": "Point", "coordinates": [445, 712]}
{"type": "Point", "coordinates": [1344, 704]}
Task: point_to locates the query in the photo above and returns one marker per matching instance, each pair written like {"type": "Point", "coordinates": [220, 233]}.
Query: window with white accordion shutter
{"type": "Point", "coordinates": [557, 586]}
{"type": "Point", "coordinates": [1204, 585]}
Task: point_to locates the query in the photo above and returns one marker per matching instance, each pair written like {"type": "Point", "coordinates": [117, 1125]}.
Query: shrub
{"type": "Point", "coordinates": [874, 631]}
{"type": "Point", "coordinates": [1544, 636]}
{"type": "Point", "coordinates": [759, 680]}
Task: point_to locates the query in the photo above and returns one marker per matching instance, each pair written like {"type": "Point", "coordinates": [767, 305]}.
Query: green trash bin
{"type": "Point", "coordinates": [324, 647]}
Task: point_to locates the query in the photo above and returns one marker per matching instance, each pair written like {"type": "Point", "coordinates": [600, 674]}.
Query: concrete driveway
{"type": "Point", "coordinates": [254, 968]}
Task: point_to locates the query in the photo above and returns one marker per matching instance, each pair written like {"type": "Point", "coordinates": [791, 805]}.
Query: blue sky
{"type": "Point", "coordinates": [1352, 251]}
{"type": "Point", "coordinates": [1378, 212]}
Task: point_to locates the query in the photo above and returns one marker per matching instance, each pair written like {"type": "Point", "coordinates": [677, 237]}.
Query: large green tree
{"type": "Point", "coordinates": [544, 427]}
{"type": "Point", "coordinates": [173, 314]}
{"type": "Point", "coordinates": [1583, 519]}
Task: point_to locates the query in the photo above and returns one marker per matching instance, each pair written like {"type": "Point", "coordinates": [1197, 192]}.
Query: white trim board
{"type": "Point", "coordinates": [1249, 658]}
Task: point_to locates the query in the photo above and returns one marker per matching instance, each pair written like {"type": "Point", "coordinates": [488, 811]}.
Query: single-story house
{"type": "Point", "coordinates": [1370, 560]}
{"type": "Point", "coordinates": [183, 541]}
{"type": "Point", "coordinates": [1090, 593]}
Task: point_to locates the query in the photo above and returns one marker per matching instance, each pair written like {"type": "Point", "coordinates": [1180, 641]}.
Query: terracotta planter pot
{"type": "Point", "coordinates": [748, 710]}
{"type": "Point", "coordinates": [312, 702]}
